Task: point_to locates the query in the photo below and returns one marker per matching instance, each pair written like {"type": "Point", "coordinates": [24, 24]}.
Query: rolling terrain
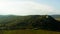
{"type": "Point", "coordinates": [32, 24]}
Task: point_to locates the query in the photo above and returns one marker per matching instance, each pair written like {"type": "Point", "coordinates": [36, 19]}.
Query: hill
{"type": "Point", "coordinates": [29, 22]}
{"type": "Point", "coordinates": [55, 16]}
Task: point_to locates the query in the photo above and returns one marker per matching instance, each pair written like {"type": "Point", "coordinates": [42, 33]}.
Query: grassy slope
{"type": "Point", "coordinates": [28, 32]}
{"type": "Point", "coordinates": [57, 19]}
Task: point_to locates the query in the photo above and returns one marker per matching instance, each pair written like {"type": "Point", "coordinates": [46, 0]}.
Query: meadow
{"type": "Point", "coordinates": [28, 32]}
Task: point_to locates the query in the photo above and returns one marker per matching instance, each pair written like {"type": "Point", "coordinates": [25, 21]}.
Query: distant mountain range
{"type": "Point", "coordinates": [55, 16]}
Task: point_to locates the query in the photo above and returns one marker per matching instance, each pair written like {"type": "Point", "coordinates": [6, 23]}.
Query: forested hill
{"type": "Point", "coordinates": [29, 22]}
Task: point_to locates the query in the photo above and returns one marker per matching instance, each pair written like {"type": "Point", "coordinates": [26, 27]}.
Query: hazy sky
{"type": "Point", "coordinates": [29, 7]}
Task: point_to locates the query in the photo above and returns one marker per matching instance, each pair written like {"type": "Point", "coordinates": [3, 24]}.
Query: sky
{"type": "Point", "coordinates": [29, 7]}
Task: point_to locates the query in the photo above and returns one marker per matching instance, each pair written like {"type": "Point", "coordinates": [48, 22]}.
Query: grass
{"type": "Point", "coordinates": [28, 32]}
{"type": "Point", "coordinates": [57, 19]}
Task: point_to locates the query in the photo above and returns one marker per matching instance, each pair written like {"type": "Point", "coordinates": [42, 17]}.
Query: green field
{"type": "Point", "coordinates": [28, 32]}
{"type": "Point", "coordinates": [57, 19]}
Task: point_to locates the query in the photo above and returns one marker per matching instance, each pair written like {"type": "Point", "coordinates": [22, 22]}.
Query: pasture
{"type": "Point", "coordinates": [28, 32]}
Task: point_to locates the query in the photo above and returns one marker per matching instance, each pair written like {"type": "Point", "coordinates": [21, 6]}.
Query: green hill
{"type": "Point", "coordinates": [29, 22]}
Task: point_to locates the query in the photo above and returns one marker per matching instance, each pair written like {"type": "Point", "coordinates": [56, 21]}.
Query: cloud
{"type": "Point", "coordinates": [24, 8]}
